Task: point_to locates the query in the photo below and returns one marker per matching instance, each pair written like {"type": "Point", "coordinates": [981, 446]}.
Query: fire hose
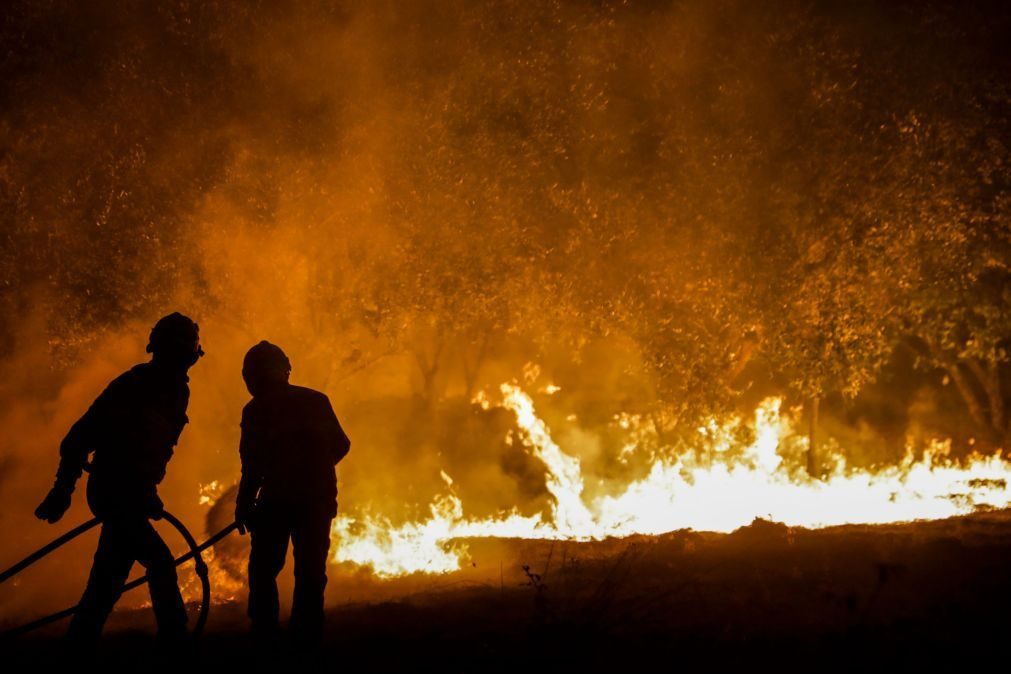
{"type": "Point", "coordinates": [194, 554]}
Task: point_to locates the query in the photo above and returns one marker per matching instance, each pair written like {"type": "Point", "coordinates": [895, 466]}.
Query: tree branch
{"type": "Point", "coordinates": [988, 375]}
{"type": "Point", "coordinates": [964, 387]}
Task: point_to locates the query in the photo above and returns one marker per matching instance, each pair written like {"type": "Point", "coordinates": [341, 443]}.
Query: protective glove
{"type": "Point", "coordinates": [55, 504]}
{"type": "Point", "coordinates": [244, 516]}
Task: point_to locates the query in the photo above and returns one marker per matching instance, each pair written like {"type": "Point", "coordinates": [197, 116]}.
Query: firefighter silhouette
{"type": "Point", "coordinates": [130, 430]}
{"type": "Point", "coordinates": [290, 444]}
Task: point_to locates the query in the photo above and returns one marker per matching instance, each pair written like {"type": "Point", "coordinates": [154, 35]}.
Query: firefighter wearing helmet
{"type": "Point", "coordinates": [290, 444]}
{"type": "Point", "coordinates": [129, 433]}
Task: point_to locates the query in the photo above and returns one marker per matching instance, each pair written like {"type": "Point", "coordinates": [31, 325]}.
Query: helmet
{"type": "Point", "coordinates": [177, 337]}
{"type": "Point", "coordinates": [265, 363]}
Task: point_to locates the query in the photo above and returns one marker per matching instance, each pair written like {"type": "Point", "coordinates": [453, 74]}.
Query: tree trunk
{"type": "Point", "coordinates": [979, 385]}
{"type": "Point", "coordinates": [471, 368]}
{"type": "Point", "coordinates": [989, 378]}
{"type": "Point", "coordinates": [976, 411]}
{"type": "Point", "coordinates": [429, 369]}
{"type": "Point", "coordinates": [812, 447]}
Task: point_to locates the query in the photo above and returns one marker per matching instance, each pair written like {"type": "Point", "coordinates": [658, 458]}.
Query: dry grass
{"type": "Point", "coordinates": [868, 596]}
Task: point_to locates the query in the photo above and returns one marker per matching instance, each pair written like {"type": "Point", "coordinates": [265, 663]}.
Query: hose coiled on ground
{"type": "Point", "coordinates": [194, 553]}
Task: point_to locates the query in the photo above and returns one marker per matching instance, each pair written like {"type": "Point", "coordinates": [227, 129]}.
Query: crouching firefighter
{"type": "Point", "coordinates": [290, 444]}
{"type": "Point", "coordinates": [131, 430]}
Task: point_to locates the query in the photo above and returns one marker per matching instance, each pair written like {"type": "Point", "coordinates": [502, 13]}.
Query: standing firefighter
{"type": "Point", "coordinates": [131, 429]}
{"type": "Point", "coordinates": [291, 442]}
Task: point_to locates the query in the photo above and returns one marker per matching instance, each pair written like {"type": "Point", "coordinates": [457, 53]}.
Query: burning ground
{"type": "Point", "coordinates": [907, 595]}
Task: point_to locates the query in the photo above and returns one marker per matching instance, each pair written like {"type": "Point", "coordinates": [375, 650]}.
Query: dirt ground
{"type": "Point", "coordinates": [922, 595]}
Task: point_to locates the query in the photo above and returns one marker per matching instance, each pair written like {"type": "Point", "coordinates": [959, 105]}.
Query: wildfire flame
{"type": "Point", "coordinates": [711, 490]}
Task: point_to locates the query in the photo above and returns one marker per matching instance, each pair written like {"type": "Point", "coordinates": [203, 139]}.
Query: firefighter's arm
{"type": "Point", "coordinates": [79, 442]}
{"type": "Point", "coordinates": [333, 435]}
{"type": "Point", "coordinates": [251, 480]}
{"type": "Point", "coordinates": [74, 450]}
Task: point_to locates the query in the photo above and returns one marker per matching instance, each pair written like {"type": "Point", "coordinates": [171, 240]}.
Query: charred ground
{"type": "Point", "coordinates": [869, 596]}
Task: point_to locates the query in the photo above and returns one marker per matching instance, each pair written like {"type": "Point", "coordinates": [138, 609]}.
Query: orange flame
{"type": "Point", "coordinates": [685, 492]}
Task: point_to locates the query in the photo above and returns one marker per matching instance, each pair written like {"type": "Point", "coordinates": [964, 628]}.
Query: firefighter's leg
{"type": "Point", "coordinates": [269, 546]}
{"type": "Point", "coordinates": [311, 542]}
{"type": "Point", "coordinates": [113, 560]}
{"type": "Point", "coordinates": [169, 609]}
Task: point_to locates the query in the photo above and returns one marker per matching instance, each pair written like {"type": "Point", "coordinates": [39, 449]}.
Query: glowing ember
{"type": "Point", "coordinates": [210, 492]}
{"type": "Point", "coordinates": [692, 491]}
{"type": "Point", "coordinates": [226, 587]}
